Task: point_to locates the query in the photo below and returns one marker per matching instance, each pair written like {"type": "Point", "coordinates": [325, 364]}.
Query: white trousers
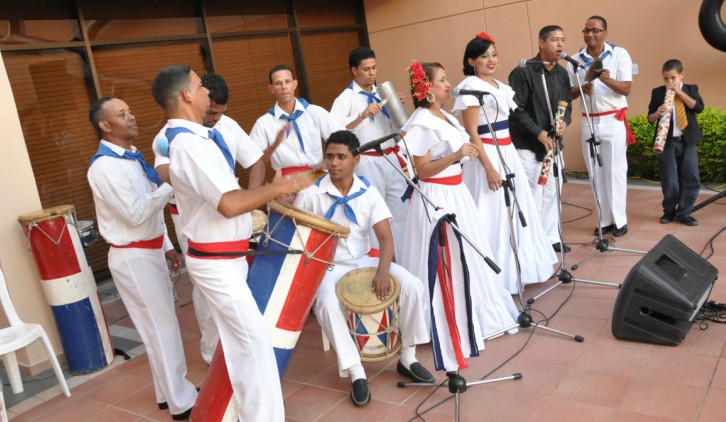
{"type": "Point", "coordinates": [545, 196]}
{"type": "Point", "coordinates": [332, 317]}
{"type": "Point", "coordinates": [142, 279]}
{"type": "Point", "coordinates": [391, 186]}
{"type": "Point", "coordinates": [610, 181]}
{"type": "Point", "coordinates": [210, 336]}
{"type": "Point", "coordinates": [248, 352]}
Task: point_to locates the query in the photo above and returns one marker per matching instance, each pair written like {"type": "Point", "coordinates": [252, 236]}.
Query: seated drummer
{"type": "Point", "coordinates": [351, 201]}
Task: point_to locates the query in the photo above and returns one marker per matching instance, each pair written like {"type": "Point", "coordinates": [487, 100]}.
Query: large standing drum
{"type": "Point", "coordinates": [373, 323]}
{"type": "Point", "coordinates": [294, 252]}
{"type": "Point", "coordinates": [69, 287]}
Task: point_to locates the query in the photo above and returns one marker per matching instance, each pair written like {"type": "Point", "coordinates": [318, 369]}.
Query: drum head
{"type": "Point", "coordinates": [309, 219]}
{"type": "Point", "coordinates": [354, 292]}
{"type": "Point", "coordinates": [46, 214]}
{"type": "Point", "coordinates": [259, 219]}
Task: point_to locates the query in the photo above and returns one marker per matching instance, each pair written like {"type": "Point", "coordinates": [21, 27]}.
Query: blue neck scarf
{"type": "Point", "coordinates": [344, 201]}
{"type": "Point", "coordinates": [372, 97]}
{"type": "Point", "coordinates": [292, 118]}
{"type": "Point", "coordinates": [214, 135]}
{"type": "Point", "coordinates": [586, 60]}
{"type": "Point", "coordinates": [105, 151]}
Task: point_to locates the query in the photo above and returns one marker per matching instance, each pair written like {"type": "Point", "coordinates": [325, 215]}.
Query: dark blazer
{"type": "Point", "coordinates": [692, 134]}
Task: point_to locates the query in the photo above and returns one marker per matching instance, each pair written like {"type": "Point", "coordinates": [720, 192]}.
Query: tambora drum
{"type": "Point", "coordinates": [295, 250]}
{"type": "Point", "coordinates": [373, 323]}
{"type": "Point", "coordinates": [67, 279]}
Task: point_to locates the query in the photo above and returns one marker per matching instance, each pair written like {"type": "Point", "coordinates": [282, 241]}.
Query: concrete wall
{"type": "Point", "coordinates": [19, 195]}
{"type": "Point", "coordinates": [652, 31]}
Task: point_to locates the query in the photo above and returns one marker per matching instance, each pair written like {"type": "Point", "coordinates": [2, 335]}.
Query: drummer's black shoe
{"type": "Point", "coordinates": [164, 405]}
{"type": "Point", "coordinates": [417, 372]}
{"type": "Point", "coordinates": [183, 416]}
{"type": "Point", "coordinates": [605, 229]}
{"type": "Point", "coordinates": [359, 392]}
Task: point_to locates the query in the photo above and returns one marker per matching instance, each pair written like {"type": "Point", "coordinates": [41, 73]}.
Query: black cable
{"type": "Point", "coordinates": [709, 244]}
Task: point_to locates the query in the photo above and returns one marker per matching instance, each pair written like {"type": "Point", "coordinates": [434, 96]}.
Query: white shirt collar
{"type": "Point", "coordinates": [117, 148]}
{"type": "Point", "coordinates": [327, 187]}
{"type": "Point", "coordinates": [197, 128]}
{"type": "Point", "coordinates": [279, 111]}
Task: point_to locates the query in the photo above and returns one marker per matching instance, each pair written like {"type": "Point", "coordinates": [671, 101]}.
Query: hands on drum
{"type": "Point", "coordinates": [381, 284]}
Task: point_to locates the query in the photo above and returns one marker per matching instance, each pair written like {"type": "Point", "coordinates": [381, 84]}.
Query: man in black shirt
{"type": "Point", "coordinates": [530, 125]}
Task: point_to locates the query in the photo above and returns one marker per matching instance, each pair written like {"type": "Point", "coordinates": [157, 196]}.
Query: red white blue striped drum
{"type": "Point", "coordinates": [69, 287]}
{"type": "Point", "coordinates": [373, 323]}
{"type": "Point", "coordinates": [300, 247]}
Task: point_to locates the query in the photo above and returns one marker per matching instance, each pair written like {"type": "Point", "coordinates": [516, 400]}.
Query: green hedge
{"type": "Point", "coordinates": [643, 162]}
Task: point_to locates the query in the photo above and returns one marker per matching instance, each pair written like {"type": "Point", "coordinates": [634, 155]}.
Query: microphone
{"type": "Point", "coordinates": [458, 91]}
{"type": "Point", "coordinates": [575, 63]}
{"type": "Point", "coordinates": [525, 62]}
{"type": "Point", "coordinates": [375, 144]}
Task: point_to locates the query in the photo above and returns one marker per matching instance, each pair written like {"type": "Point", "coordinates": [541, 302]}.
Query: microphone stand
{"type": "Point", "coordinates": [602, 244]}
{"type": "Point", "coordinates": [456, 383]}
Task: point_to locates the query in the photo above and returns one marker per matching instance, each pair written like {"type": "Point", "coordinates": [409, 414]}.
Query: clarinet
{"type": "Point", "coordinates": [549, 158]}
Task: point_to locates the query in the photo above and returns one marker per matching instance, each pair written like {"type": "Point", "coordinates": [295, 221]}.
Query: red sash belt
{"type": "Point", "coordinates": [395, 150]}
{"type": "Point", "coordinates": [449, 180]}
{"type": "Point", "coordinates": [155, 243]}
{"type": "Point", "coordinates": [501, 141]}
{"type": "Point", "coordinates": [173, 209]}
{"type": "Point", "coordinates": [619, 115]}
{"type": "Point", "coordinates": [219, 250]}
{"type": "Point", "coordinates": [374, 253]}
{"type": "Point", "coordinates": [292, 170]}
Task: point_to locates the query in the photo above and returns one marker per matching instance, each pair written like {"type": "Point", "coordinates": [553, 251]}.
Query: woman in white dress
{"type": "Point", "coordinates": [476, 304]}
{"type": "Point", "coordinates": [484, 176]}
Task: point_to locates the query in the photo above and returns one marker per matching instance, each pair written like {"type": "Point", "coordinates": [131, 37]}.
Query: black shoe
{"type": "Point", "coordinates": [558, 248]}
{"type": "Point", "coordinates": [667, 218]}
{"type": "Point", "coordinates": [359, 392]}
{"type": "Point", "coordinates": [417, 372]}
{"type": "Point", "coordinates": [606, 229]}
{"type": "Point", "coordinates": [689, 221]}
{"type": "Point", "coordinates": [164, 405]}
{"type": "Point", "coordinates": [620, 231]}
{"type": "Point", "coordinates": [183, 416]}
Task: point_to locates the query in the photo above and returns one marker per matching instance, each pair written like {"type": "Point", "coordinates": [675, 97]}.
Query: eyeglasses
{"type": "Point", "coordinates": [593, 30]}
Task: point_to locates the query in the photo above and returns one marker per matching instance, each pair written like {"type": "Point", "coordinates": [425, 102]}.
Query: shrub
{"type": "Point", "coordinates": [643, 162]}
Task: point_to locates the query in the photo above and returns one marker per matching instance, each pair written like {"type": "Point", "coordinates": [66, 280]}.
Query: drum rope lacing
{"type": "Point", "coordinates": [68, 221]}
{"type": "Point", "coordinates": [309, 255]}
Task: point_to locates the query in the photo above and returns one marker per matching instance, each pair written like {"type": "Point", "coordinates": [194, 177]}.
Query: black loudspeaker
{"type": "Point", "coordinates": [662, 294]}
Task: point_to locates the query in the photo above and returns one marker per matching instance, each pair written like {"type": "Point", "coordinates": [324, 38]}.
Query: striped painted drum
{"type": "Point", "coordinates": [69, 287]}
{"type": "Point", "coordinates": [294, 252]}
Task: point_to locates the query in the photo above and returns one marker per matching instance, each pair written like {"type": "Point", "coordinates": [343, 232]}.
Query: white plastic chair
{"type": "Point", "coordinates": [19, 335]}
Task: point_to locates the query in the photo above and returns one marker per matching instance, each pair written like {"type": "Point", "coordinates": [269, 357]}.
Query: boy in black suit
{"type": "Point", "coordinates": [678, 164]}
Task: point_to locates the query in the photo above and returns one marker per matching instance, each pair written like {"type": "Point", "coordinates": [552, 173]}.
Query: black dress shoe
{"type": "Point", "coordinates": [620, 231]}
{"type": "Point", "coordinates": [558, 248]}
{"type": "Point", "coordinates": [667, 218]}
{"type": "Point", "coordinates": [164, 405]}
{"type": "Point", "coordinates": [359, 392]}
{"type": "Point", "coordinates": [183, 416]}
{"type": "Point", "coordinates": [605, 229]}
{"type": "Point", "coordinates": [689, 221]}
{"type": "Point", "coordinates": [417, 372]}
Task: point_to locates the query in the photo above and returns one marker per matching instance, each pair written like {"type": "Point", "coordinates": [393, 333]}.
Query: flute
{"type": "Point", "coordinates": [664, 123]}
{"type": "Point", "coordinates": [549, 158]}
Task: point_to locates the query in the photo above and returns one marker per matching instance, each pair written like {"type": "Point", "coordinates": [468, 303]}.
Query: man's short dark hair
{"type": "Point", "coordinates": [218, 89]}
{"type": "Point", "coordinates": [359, 54]}
{"type": "Point", "coordinates": [673, 64]}
{"type": "Point", "coordinates": [545, 32]}
{"type": "Point", "coordinates": [95, 113]}
{"type": "Point", "coordinates": [278, 68]}
{"type": "Point", "coordinates": [344, 137]}
{"type": "Point", "coordinates": [168, 83]}
{"type": "Point", "coordinates": [601, 19]}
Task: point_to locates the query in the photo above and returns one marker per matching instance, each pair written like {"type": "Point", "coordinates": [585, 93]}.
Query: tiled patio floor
{"type": "Point", "coordinates": [601, 379]}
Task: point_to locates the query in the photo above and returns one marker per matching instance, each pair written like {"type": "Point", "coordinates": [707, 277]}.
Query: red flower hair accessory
{"type": "Point", "coordinates": [485, 36]}
{"type": "Point", "coordinates": [420, 83]}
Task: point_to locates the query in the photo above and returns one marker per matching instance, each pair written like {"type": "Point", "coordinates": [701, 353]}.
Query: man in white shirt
{"type": "Point", "coordinates": [239, 145]}
{"type": "Point", "coordinates": [215, 219]}
{"type": "Point", "coordinates": [292, 132]}
{"type": "Point", "coordinates": [606, 103]}
{"type": "Point", "coordinates": [129, 199]}
{"type": "Point", "coordinates": [359, 108]}
{"type": "Point", "coordinates": [351, 201]}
